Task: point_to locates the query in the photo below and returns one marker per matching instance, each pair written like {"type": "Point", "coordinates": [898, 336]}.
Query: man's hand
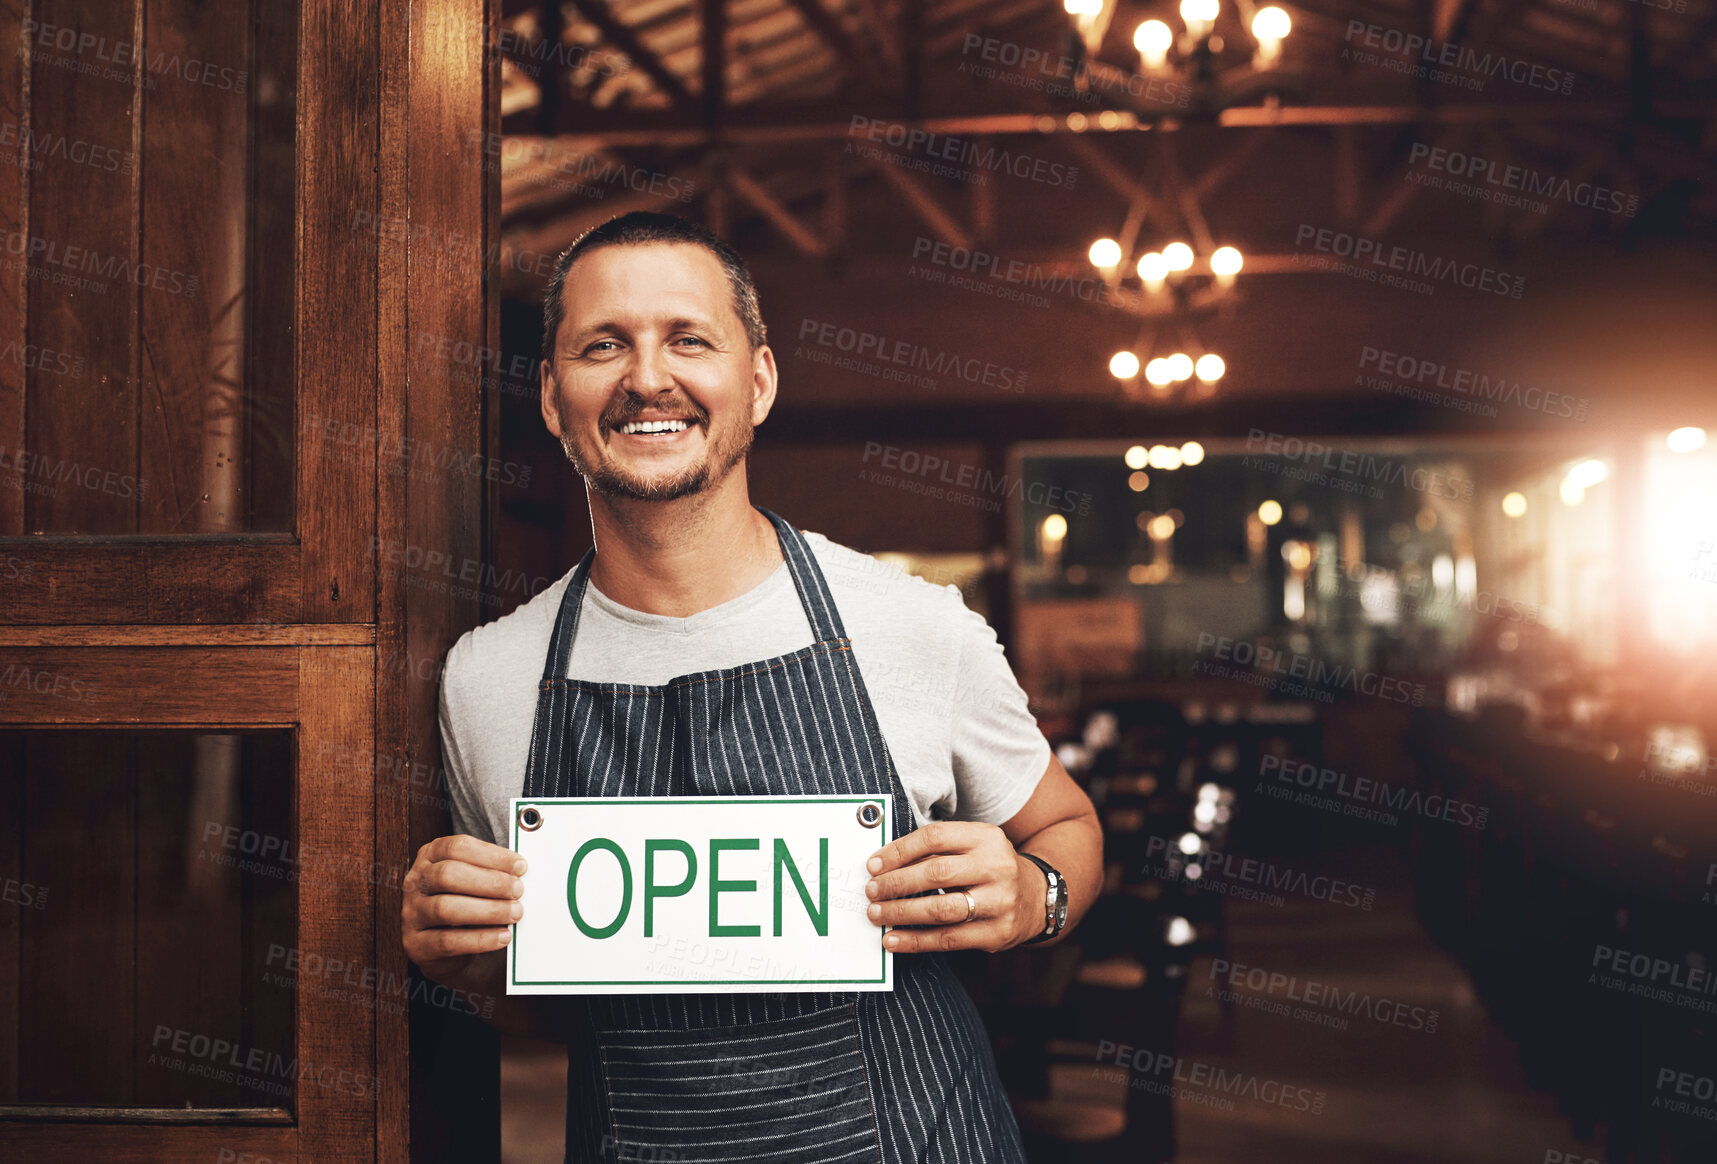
{"type": "Point", "coordinates": [955, 855]}
{"type": "Point", "coordinates": [460, 896]}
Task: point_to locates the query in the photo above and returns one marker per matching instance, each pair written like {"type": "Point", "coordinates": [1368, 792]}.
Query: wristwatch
{"type": "Point", "coordinates": [1054, 905]}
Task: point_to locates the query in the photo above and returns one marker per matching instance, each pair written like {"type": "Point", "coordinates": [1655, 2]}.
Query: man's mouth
{"type": "Point", "coordinates": [639, 427]}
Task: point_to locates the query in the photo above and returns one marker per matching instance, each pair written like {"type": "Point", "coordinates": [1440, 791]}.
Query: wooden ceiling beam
{"type": "Point", "coordinates": [624, 39]}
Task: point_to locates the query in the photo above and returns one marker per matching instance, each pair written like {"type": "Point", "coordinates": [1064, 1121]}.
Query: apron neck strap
{"type": "Point", "coordinates": [814, 597]}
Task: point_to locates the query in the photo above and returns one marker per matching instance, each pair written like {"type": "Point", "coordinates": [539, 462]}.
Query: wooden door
{"type": "Point", "coordinates": [234, 240]}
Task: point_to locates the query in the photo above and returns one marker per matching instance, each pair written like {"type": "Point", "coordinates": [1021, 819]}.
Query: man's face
{"type": "Point", "coordinates": [651, 386]}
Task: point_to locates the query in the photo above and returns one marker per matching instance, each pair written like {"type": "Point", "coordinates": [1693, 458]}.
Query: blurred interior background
{"type": "Point", "coordinates": [1314, 399]}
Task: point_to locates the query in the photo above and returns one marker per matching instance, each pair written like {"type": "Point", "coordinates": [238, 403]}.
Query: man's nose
{"type": "Point", "coordinates": [650, 372]}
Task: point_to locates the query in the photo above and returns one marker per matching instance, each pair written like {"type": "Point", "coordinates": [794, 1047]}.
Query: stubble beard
{"type": "Point", "coordinates": [602, 476]}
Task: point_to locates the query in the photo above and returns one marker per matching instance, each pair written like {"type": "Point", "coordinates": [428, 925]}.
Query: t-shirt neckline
{"type": "Point", "coordinates": [671, 624]}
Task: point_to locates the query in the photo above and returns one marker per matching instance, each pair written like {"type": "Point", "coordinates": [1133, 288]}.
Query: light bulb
{"type": "Point", "coordinates": [1210, 367]}
{"type": "Point", "coordinates": [1191, 453]}
{"type": "Point", "coordinates": [1514, 504]}
{"type": "Point", "coordinates": [1137, 457]}
{"type": "Point", "coordinates": [1157, 372]}
{"type": "Point", "coordinates": [1105, 254]}
{"type": "Point", "coordinates": [1177, 256]}
{"type": "Point", "coordinates": [1152, 39]}
{"type": "Point", "coordinates": [1226, 261]}
{"type": "Point", "coordinates": [1123, 365]}
{"type": "Point", "coordinates": [1271, 24]}
{"type": "Point", "coordinates": [1180, 367]}
{"type": "Point", "coordinates": [1270, 512]}
{"type": "Point", "coordinates": [1686, 440]}
{"type": "Point", "coordinates": [1153, 269]}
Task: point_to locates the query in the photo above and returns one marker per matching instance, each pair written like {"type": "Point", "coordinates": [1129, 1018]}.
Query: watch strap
{"type": "Point", "coordinates": [1055, 902]}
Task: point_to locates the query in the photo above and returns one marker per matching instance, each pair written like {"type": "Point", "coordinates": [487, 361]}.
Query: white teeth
{"type": "Point", "coordinates": [644, 426]}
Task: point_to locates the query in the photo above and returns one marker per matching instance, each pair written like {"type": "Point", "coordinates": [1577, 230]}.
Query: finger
{"type": "Point", "coordinates": [942, 871]}
{"type": "Point", "coordinates": [972, 936]}
{"type": "Point", "coordinates": [935, 910]}
{"type": "Point", "coordinates": [468, 879]}
{"type": "Point", "coordinates": [940, 836]}
{"type": "Point", "coordinates": [452, 943]}
{"type": "Point", "coordinates": [452, 909]}
{"type": "Point", "coordinates": [462, 847]}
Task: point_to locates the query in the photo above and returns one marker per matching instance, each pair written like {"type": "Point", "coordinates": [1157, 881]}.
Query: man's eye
{"type": "Point", "coordinates": [691, 339]}
{"type": "Point", "coordinates": [595, 348]}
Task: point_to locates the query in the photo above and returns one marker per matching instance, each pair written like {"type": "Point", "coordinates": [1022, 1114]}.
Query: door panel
{"type": "Point", "coordinates": [194, 937]}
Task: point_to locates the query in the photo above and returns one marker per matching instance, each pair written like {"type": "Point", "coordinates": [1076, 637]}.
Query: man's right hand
{"type": "Point", "coordinates": [460, 897]}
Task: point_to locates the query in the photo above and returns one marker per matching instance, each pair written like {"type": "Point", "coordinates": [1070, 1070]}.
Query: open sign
{"type": "Point", "coordinates": [697, 895]}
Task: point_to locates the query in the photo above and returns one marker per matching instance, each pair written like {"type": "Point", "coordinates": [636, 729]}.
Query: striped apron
{"type": "Point", "coordinates": [902, 1076]}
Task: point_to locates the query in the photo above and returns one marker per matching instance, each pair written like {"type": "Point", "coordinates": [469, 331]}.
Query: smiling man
{"type": "Point", "coordinates": [707, 647]}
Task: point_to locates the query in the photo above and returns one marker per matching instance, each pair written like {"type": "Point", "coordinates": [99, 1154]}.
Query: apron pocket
{"type": "Point", "coordinates": [788, 1090]}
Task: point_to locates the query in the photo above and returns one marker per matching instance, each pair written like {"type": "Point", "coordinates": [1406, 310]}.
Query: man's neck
{"type": "Point", "coordinates": [677, 558]}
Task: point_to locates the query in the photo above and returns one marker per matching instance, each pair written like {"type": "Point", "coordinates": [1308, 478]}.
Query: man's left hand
{"type": "Point", "coordinates": [1008, 890]}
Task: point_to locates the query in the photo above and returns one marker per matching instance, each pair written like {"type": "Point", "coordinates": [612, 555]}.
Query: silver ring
{"type": "Point", "coordinates": [530, 818]}
{"type": "Point", "coordinates": [971, 907]}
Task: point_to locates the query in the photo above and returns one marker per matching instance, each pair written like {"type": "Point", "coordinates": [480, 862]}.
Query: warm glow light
{"type": "Point", "coordinates": [1199, 15]}
{"type": "Point", "coordinates": [1157, 372]}
{"type": "Point", "coordinates": [1191, 453]}
{"type": "Point", "coordinates": [1105, 254]}
{"type": "Point", "coordinates": [1123, 365]}
{"type": "Point", "coordinates": [1270, 512]}
{"type": "Point", "coordinates": [1164, 457]}
{"type": "Point", "coordinates": [1178, 256]}
{"type": "Point", "coordinates": [1152, 39]}
{"type": "Point", "coordinates": [1271, 24]}
{"type": "Point", "coordinates": [1297, 554]}
{"type": "Point", "coordinates": [1137, 457]}
{"type": "Point", "coordinates": [1589, 473]}
{"type": "Point", "coordinates": [1686, 440]}
{"type": "Point", "coordinates": [1138, 482]}
{"type": "Point", "coordinates": [1442, 571]}
{"type": "Point", "coordinates": [1210, 367]}
{"type": "Point", "coordinates": [1054, 527]}
{"type": "Point", "coordinates": [1572, 491]}
{"type": "Point", "coordinates": [1153, 269]}
{"type": "Point", "coordinates": [1514, 504]}
{"type": "Point", "coordinates": [1162, 527]}
{"type": "Point", "coordinates": [1180, 367]}
{"type": "Point", "coordinates": [1226, 261]}
{"type": "Point", "coordinates": [1082, 7]}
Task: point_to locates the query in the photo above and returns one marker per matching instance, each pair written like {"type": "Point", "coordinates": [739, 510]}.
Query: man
{"type": "Point", "coordinates": [706, 647]}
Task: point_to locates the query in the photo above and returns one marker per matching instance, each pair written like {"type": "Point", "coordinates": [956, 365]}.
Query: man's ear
{"type": "Point", "coordinates": [763, 380]}
{"type": "Point", "coordinates": [550, 400]}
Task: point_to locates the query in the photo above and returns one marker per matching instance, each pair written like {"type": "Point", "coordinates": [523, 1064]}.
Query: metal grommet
{"type": "Point", "coordinates": [870, 814]}
{"type": "Point", "coordinates": [530, 819]}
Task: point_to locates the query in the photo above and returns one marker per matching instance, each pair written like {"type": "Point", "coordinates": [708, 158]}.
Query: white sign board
{"type": "Point", "coordinates": [708, 894]}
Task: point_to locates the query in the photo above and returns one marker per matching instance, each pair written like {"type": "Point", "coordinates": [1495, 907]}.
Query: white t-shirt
{"type": "Point", "coordinates": [955, 720]}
